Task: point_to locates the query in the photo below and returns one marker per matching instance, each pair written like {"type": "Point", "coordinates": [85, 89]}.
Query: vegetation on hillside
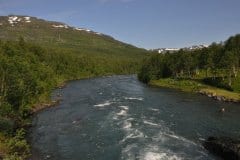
{"type": "Point", "coordinates": [29, 73]}
{"type": "Point", "coordinates": [68, 39]}
{"type": "Point", "coordinates": [218, 65]}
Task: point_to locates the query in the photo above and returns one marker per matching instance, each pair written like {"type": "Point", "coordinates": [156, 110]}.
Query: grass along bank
{"type": "Point", "coordinates": [195, 86]}
{"type": "Point", "coordinates": [212, 71]}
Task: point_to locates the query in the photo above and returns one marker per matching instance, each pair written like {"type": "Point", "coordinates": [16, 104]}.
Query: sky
{"type": "Point", "coordinates": [144, 23]}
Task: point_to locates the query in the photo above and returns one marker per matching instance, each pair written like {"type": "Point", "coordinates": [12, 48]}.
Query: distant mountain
{"type": "Point", "coordinates": [64, 37]}
{"type": "Point", "coordinates": [172, 50]}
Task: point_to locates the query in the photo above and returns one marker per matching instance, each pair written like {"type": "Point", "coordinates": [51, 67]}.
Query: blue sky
{"type": "Point", "coordinates": [144, 23]}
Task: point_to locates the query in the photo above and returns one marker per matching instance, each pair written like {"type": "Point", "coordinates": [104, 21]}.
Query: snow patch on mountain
{"type": "Point", "coordinates": [83, 29]}
{"type": "Point", "coordinates": [60, 26]}
{"type": "Point", "coordinates": [79, 29]}
{"type": "Point", "coordinates": [27, 19]}
{"type": "Point", "coordinates": [99, 33]}
{"type": "Point", "coordinates": [14, 20]}
{"type": "Point", "coordinates": [87, 30]}
{"type": "Point", "coordinates": [172, 50]}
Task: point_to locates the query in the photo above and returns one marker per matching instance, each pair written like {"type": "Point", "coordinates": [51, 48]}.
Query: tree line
{"type": "Point", "coordinates": [216, 65]}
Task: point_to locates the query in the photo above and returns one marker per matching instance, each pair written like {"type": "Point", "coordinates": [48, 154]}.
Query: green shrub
{"type": "Point", "coordinates": [13, 157]}
{"type": "Point", "coordinates": [18, 146]}
{"type": "Point", "coordinates": [6, 110]}
{"type": "Point", "coordinates": [6, 126]}
{"type": "Point", "coordinates": [217, 82]}
{"type": "Point", "coordinates": [236, 84]}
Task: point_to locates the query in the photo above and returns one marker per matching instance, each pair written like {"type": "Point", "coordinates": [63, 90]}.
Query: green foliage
{"type": "Point", "coordinates": [13, 157]}
{"type": "Point", "coordinates": [154, 68]}
{"type": "Point", "coordinates": [196, 86]}
{"type": "Point", "coordinates": [181, 84]}
{"type": "Point", "coordinates": [220, 62]}
{"type": "Point", "coordinates": [217, 82]}
{"type": "Point", "coordinates": [6, 126]}
{"type": "Point", "coordinates": [70, 40]}
{"type": "Point", "coordinates": [18, 147]}
{"type": "Point", "coordinates": [236, 84]}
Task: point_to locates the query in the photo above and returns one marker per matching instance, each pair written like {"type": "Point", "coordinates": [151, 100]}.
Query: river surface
{"type": "Point", "coordinates": [119, 118]}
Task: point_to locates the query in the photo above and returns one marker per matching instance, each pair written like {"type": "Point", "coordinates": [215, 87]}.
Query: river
{"type": "Point", "coordinates": [119, 118]}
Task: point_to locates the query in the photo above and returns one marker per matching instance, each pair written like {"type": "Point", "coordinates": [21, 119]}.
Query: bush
{"type": "Point", "coordinates": [217, 82]}
{"type": "Point", "coordinates": [6, 126]}
{"type": "Point", "coordinates": [13, 157]}
{"type": "Point", "coordinates": [18, 146]}
{"type": "Point", "coordinates": [236, 84]}
{"type": "Point", "coordinates": [6, 110]}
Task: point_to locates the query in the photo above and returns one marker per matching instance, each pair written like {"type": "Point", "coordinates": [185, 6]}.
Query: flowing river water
{"type": "Point", "coordinates": [119, 118]}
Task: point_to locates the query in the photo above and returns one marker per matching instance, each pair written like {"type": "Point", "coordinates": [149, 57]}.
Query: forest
{"type": "Point", "coordinates": [216, 65]}
{"type": "Point", "coordinates": [29, 73]}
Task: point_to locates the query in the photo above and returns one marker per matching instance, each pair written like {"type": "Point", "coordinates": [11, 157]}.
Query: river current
{"type": "Point", "coordinates": [119, 118]}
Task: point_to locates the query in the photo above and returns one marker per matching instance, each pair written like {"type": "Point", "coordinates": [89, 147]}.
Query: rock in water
{"type": "Point", "coordinates": [224, 147]}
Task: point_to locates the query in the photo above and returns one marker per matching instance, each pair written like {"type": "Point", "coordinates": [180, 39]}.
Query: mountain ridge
{"type": "Point", "coordinates": [64, 37]}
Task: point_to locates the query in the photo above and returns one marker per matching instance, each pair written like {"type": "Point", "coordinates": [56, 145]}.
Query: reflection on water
{"type": "Point", "coordinates": [120, 118]}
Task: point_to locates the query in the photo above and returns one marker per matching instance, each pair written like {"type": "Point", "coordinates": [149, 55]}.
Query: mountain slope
{"type": "Point", "coordinates": [64, 37]}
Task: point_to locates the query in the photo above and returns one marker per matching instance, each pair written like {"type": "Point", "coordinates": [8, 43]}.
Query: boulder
{"type": "Point", "coordinates": [219, 98]}
{"type": "Point", "coordinates": [223, 147]}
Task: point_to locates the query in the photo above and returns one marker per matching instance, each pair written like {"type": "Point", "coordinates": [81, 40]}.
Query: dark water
{"type": "Point", "coordinates": [120, 118]}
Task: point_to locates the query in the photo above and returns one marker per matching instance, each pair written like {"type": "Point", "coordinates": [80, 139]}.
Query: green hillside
{"type": "Point", "coordinates": [64, 37]}
{"type": "Point", "coordinates": [35, 57]}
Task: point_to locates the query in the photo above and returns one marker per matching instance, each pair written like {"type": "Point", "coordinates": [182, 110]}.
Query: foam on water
{"type": "Point", "coordinates": [122, 113]}
{"type": "Point", "coordinates": [154, 109]}
{"type": "Point", "coordinates": [127, 125]}
{"type": "Point", "coordinates": [134, 134]}
{"type": "Point", "coordinates": [157, 147]}
{"type": "Point", "coordinates": [130, 119]}
{"type": "Point", "coordinates": [107, 103]}
{"type": "Point", "coordinates": [134, 98]}
{"type": "Point", "coordinates": [124, 107]}
{"type": "Point", "coordinates": [128, 152]}
{"type": "Point", "coordinates": [150, 123]}
{"type": "Point", "coordinates": [155, 151]}
{"type": "Point", "coordinates": [160, 156]}
{"type": "Point", "coordinates": [184, 140]}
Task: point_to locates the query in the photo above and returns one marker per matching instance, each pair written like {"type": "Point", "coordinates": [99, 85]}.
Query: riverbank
{"type": "Point", "coordinates": [47, 102]}
{"type": "Point", "coordinates": [18, 139]}
{"type": "Point", "coordinates": [10, 143]}
{"type": "Point", "coordinates": [194, 86]}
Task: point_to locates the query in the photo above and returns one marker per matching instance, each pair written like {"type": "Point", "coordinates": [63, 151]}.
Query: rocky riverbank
{"type": "Point", "coordinates": [215, 96]}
